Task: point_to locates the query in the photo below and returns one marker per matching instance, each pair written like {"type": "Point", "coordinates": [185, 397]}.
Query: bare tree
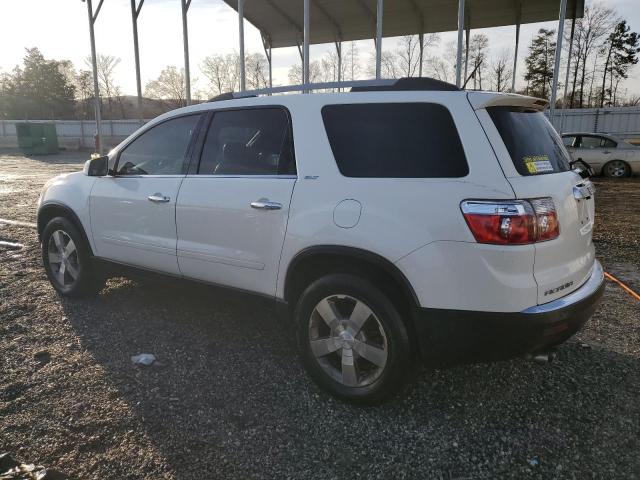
{"type": "Point", "coordinates": [443, 67]}
{"type": "Point", "coordinates": [477, 55]}
{"type": "Point", "coordinates": [501, 71]}
{"type": "Point", "coordinates": [590, 30]}
{"type": "Point", "coordinates": [257, 70]}
{"type": "Point", "coordinates": [329, 67]}
{"type": "Point", "coordinates": [351, 61]}
{"type": "Point", "coordinates": [222, 71]}
{"type": "Point", "coordinates": [168, 87]}
{"type": "Point", "coordinates": [295, 73]}
{"type": "Point", "coordinates": [107, 65]}
{"type": "Point", "coordinates": [389, 65]}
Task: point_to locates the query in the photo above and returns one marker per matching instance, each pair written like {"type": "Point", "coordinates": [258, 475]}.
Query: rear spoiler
{"type": "Point", "coordinates": [480, 100]}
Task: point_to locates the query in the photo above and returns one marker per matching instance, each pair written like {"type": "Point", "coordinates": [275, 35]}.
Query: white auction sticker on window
{"type": "Point", "coordinates": [538, 164]}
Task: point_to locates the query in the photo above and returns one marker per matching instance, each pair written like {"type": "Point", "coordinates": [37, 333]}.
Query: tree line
{"type": "Point", "coordinates": [603, 53]}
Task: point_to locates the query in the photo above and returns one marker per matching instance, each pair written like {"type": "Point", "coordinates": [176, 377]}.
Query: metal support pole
{"type": "Point", "coordinates": [185, 40]}
{"type": "Point", "coordinates": [515, 53]}
{"type": "Point", "coordinates": [94, 65]}
{"type": "Point", "coordinates": [421, 40]}
{"type": "Point", "coordinates": [305, 44]}
{"type": "Point", "coordinates": [566, 80]}
{"type": "Point", "coordinates": [466, 52]}
{"type": "Point", "coordinates": [459, 51]}
{"type": "Point", "coordinates": [243, 81]}
{"type": "Point", "coordinates": [379, 15]}
{"type": "Point", "coordinates": [556, 68]}
{"type": "Point", "coordinates": [339, 53]}
{"type": "Point", "coordinates": [135, 11]}
{"type": "Point", "coordinates": [266, 44]}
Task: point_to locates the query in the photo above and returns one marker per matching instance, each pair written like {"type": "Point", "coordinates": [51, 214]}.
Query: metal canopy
{"type": "Point", "coordinates": [282, 21]}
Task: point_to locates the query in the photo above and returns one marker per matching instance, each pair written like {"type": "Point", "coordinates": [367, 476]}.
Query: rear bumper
{"type": "Point", "coordinates": [455, 336]}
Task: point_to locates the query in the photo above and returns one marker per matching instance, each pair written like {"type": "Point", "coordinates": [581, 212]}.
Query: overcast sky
{"type": "Point", "coordinates": [59, 29]}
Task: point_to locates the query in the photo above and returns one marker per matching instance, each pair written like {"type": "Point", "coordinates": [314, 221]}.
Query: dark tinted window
{"type": "Point", "coordinates": [607, 143]}
{"type": "Point", "coordinates": [531, 140]}
{"type": "Point", "coordinates": [255, 141]}
{"type": "Point", "coordinates": [397, 140]}
{"type": "Point", "coordinates": [162, 150]}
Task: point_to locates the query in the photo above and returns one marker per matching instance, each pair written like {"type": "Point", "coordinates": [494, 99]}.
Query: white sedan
{"type": "Point", "coordinates": [606, 154]}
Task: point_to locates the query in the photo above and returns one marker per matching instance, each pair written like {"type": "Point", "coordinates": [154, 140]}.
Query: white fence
{"type": "Point", "coordinates": [621, 121]}
{"type": "Point", "coordinates": [74, 133]}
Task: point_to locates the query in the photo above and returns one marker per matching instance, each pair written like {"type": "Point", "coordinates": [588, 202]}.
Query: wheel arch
{"type": "Point", "coordinates": [313, 262]}
{"type": "Point", "coordinates": [50, 210]}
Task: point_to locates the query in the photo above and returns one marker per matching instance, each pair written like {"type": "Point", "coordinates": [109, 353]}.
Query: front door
{"type": "Point", "coordinates": [133, 210]}
{"type": "Point", "coordinates": [232, 214]}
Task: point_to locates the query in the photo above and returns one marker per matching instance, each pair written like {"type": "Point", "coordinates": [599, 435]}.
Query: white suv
{"type": "Point", "coordinates": [394, 222]}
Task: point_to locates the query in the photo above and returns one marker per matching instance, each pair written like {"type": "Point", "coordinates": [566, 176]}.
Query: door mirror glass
{"type": "Point", "coordinates": [97, 167]}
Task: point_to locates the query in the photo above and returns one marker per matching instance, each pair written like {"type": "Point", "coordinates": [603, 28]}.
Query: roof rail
{"type": "Point", "coordinates": [387, 85]}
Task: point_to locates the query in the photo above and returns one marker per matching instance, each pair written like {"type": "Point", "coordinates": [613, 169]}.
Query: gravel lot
{"type": "Point", "coordinates": [230, 399]}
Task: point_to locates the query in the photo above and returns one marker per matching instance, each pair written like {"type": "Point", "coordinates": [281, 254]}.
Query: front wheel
{"type": "Point", "coordinates": [352, 339]}
{"type": "Point", "coordinates": [616, 169]}
{"type": "Point", "coordinates": [67, 259]}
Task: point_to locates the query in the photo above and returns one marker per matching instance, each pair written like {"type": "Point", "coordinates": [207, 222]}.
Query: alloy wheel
{"type": "Point", "coordinates": [617, 169]}
{"type": "Point", "coordinates": [348, 340]}
{"type": "Point", "coordinates": [63, 258]}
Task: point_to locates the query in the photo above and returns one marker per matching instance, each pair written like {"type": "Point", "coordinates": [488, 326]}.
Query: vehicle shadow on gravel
{"type": "Point", "coordinates": [230, 399]}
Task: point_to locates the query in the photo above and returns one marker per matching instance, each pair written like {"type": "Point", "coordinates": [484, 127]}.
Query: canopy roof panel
{"type": "Point", "coordinates": [281, 21]}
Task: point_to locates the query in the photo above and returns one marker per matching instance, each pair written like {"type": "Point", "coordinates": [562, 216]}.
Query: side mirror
{"type": "Point", "coordinates": [97, 167]}
{"type": "Point", "coordinates": [582, 168]}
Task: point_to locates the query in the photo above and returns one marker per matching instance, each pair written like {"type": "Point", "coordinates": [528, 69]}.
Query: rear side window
{"type": "Point", "coordinates": [534, 145]}
{"type": "Point", "coordinates": [254, 141]}
{"type": "Point", "coordinates": [394, 140]}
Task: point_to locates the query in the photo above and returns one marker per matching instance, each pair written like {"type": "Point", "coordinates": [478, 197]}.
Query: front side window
{"type": "Point", "coordinates": [161, 150]}
{"type": "Point", "coordinates": [255, 141]}
{"type": "Point", "coordinates": [394, 140]}
{"type": "Point", "coordinates": [533, 144]}
{"type": "Point", "coordinates": [608, 143]}
{"type": "Point", "coordinates": [568, 141]}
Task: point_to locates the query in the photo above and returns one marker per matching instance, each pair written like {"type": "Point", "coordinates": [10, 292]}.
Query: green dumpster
{"type": "Point", "coordinates": [37, 138]}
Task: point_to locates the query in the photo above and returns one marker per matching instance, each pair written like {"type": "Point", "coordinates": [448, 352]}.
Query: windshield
{"type": "Point", "coordinates": [534, 145]}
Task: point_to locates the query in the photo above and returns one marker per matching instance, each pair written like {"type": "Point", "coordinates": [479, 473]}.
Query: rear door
{"type": "Point", "coordinates": [536, 164]}
{"type": "Point", "coordinates": [232, 214]}
{"type": "Point", "coordinates": [595, 150]}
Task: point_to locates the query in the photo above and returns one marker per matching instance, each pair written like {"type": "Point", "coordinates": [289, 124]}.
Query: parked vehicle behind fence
{"type": "Point", "coordinates": [607, 154]}
{"type": "Point", "coordinates": [400, 221]}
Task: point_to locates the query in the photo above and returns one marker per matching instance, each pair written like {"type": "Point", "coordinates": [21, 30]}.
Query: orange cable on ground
{"type": "Point", "coordinates": [622, 285]}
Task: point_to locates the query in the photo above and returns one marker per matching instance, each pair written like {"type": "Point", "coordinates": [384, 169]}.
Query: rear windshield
{"type": "Point", "coordinates": [394, 140]}
{"type": "Point", "coordinates": [534, 145]}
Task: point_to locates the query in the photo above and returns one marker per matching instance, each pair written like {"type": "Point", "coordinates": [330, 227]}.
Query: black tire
{"type": "Point", "coordinates": [390, 378]}
{"type": "Point", "coordinates": [616, 169]}
{"type": "Point", "coordinates": [86, 281]}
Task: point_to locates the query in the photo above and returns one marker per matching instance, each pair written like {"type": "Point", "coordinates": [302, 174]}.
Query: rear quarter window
{"type": "Point", "coordinates": [533, 144]}
{"type": "Point", "coordinates": [394, 140]}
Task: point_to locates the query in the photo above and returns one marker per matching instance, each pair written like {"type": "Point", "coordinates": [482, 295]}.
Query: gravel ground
{"type": "Point", "coordinates": [230, 399]}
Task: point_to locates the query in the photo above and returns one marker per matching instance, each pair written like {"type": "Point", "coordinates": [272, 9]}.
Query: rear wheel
{"type": "Point", "coordinates": [67, 260]}
{"type": "Point", "coordinates": [352, 339]}
{"type": "Point", "coordinates": [616, 169]}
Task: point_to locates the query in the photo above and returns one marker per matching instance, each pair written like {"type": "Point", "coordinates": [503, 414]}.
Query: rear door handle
{"type": "Point", "coordinates": [266, 205]}
{"type": "Point", "coordinates": [158, 198]}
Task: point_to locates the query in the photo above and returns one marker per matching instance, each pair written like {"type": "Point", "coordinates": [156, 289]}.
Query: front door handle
{"type": "Point", "coordinates": [264, 204]}
{"type": "Point", "coordinates": [158, 198]}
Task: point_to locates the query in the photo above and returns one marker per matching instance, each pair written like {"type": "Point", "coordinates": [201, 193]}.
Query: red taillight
{"type": "Point", "coordinates": [512, 222]}
{"type": "Point", "coordinates": [547, 225]}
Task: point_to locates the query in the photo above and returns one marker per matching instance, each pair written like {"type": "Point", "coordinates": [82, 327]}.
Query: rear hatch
{"type": "Point", "coordinates": [536, 165]}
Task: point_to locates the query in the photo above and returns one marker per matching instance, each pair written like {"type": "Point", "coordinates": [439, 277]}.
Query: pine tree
{"type": "Point", "coordinates": [539, 63]}
{"type": "Point", "coordinates": [621, 55]}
